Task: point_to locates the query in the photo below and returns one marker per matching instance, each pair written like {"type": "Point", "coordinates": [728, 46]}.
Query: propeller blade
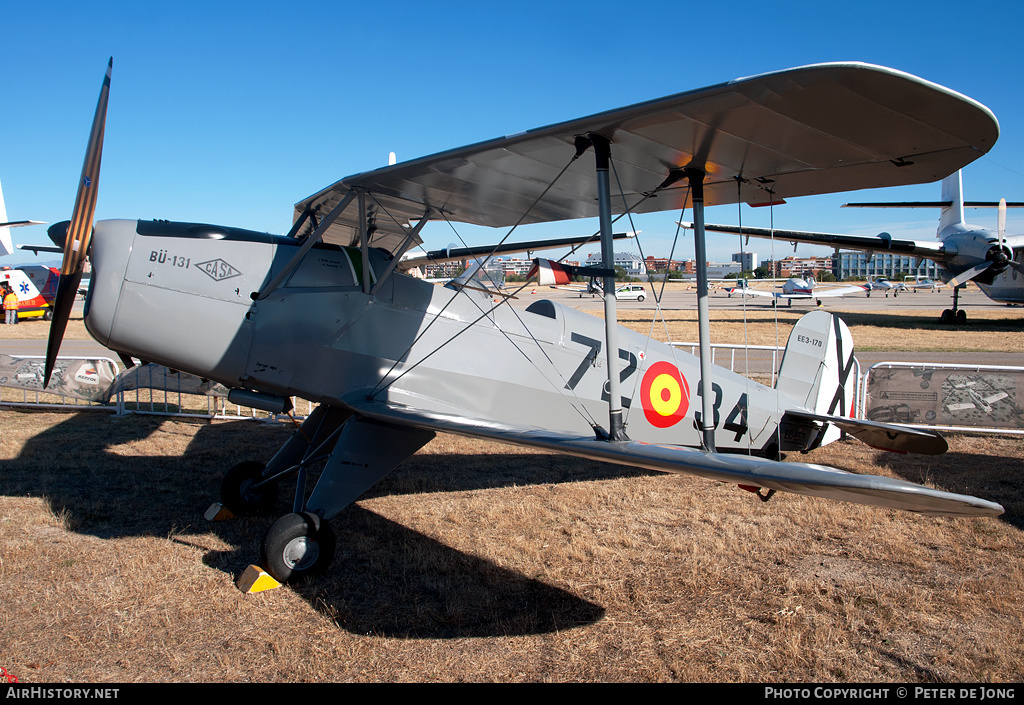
{"type": "Point", "coordinates": [76, 244]}
{"type": "Point", "coordinates": [970, 274]}
{"type": "Point", "coordinates": [1002, 221]}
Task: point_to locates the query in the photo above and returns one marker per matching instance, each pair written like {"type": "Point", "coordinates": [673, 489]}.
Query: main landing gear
{"type": "Point", "coordinates": [355, 454]}
{"type": "Point", "coordinates": [955, 315]}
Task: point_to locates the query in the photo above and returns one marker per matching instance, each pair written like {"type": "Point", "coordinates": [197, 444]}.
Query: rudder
{"type": "Point", "coordinates": [818, 368]}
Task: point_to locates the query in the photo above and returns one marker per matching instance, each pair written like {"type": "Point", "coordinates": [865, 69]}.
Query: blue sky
{"type": "Point", "coordinates": [231, 112]}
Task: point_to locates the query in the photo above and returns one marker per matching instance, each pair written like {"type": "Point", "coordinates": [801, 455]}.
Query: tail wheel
{"type": "Point", "coordinates": [237, 491]}
{"type": "Point", "coordinates": [297, 546]}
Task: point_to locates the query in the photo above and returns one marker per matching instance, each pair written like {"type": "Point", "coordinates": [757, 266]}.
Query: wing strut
{"type": "Point", "coordinates": [602, 157]}
{"type": "Point", "coordinates": [696, 178]}
{"type": "Point", "coordinates": [410, 239]}
{"type": "Point", "coordinates": [311, 239]}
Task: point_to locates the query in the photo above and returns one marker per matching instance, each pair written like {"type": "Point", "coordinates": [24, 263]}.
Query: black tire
{"type": "Point", "coordinates": [947, 316]}
{"type": "Point", "coordinates": [640, 298]}
{"type": "Point", "coordinates": [48, 315]}
{"type": "Point", "coordinates": [297, 546]}
{"type": "Point", "coordinates": [236, 491]}
{"type": "Point", "coordinates": [961, 316]}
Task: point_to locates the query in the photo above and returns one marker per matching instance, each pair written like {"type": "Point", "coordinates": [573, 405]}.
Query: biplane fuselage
{"type": "Point", "coordinates": [180, 295]}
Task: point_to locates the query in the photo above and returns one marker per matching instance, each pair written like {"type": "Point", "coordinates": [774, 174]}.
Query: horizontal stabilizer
{"type": "Point", "coordinates": [884, 436]}
{"type": "Point", "coordinates": [798, 478]}
{"type": "Point", "coordinates": [36, 249]}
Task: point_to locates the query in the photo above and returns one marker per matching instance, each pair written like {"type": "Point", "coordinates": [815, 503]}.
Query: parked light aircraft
{"type": "Point", "coordinates": [798, 288]}
{"type": "Point", "coordinates": [924, 283]}
{"type": "Point", "coordinates": [325, 313]}
{"type": "Point", "coordinates": [990, 258]}
{"type": "Point", "coordinates": [886, 285]}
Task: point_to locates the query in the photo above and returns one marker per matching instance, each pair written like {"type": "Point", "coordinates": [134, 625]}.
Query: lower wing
{"type": "Point", "coordinates": [747, 471]}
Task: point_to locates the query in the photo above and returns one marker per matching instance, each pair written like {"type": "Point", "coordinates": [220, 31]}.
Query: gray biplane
{"type": "Point", "coordinates": [325, 312]}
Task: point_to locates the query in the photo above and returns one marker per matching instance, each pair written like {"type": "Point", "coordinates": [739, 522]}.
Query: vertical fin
{"type": "Point", "coordinates": [6, 246]}
{"type": "Point", "coordinates": [817, 370]}
{"type": "Point", "coordinates": [952, 191]}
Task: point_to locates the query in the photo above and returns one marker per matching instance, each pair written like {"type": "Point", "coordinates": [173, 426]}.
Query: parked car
{"type": "Point", "coordinates": [630, 292]}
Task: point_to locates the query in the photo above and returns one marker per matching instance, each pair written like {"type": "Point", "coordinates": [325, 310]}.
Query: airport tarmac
{"type": "Point", "coordinates": [676, 297]}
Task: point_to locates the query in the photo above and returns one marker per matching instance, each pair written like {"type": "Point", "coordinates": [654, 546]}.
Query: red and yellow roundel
{"type": "Point", "coordinates": [664, 394]}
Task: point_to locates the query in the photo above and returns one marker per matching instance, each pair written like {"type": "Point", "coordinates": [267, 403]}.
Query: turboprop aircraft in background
{"type": "Point", "coordinates": [990, 258]}
{"type": "Point", "coordinates": [325, 313]}
{"type": "Point", "coordinates": [6, 245]}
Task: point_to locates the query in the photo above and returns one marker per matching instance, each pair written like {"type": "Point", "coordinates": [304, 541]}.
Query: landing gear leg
{"type": "Point", "coordinates": [358, 452]}
{"type": "Point", "coordinates": [956, 314]}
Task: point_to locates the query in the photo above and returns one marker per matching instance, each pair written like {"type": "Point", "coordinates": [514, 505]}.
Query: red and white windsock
{"type": "Point", "coordinates": [550, 273]}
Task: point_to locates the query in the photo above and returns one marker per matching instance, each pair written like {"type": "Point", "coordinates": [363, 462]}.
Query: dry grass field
{"type": "Point", "coordinates": [480, 562]}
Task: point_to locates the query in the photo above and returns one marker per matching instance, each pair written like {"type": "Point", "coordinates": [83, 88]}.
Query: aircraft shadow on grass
{"type": "Point", "coordinates": [386, 579]}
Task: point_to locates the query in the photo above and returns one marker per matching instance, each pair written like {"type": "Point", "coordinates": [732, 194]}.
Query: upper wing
{"type": "Point", "coordinates": [810, 130]}
{"type": "Point", "coordinates": [883, 242]}
{"type": "Point", "coordinates": [799, 478]}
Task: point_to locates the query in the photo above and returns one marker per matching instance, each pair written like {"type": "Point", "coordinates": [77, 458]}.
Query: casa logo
{"type": "Point", "coordinates": [218, 269]}
{"type": "Point", "coordinates": [664, 395]}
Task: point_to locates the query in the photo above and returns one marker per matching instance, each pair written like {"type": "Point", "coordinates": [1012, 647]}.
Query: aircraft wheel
{"type": "Point", "coordinates": [237, 494]}
{"type": "Point", "coordinates": [947, 316]}
{"type": "Point", "coordinates": [961, 316]}
{"type": "Point", "coordinates": [297, 546]}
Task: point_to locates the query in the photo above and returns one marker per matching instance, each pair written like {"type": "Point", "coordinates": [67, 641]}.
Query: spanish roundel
{"type": "Point", "coordinates": [664, 394]}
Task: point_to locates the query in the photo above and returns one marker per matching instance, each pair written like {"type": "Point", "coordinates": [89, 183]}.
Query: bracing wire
{"type": "Point", "coordinates": [658, 311]}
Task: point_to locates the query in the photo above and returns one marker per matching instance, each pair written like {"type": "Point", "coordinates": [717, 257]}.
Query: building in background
{"type": "Point", "coordinates": [749, 261]}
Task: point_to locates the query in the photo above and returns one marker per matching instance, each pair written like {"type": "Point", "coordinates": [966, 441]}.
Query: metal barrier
{"type": "Point", "coordinates": [158, 400]}
{"type": "Point", "coordinates": [28, 384]}
{"type": "Point", "coordinates": [762, 353]}
{"type": "Point", "coordinates": [907, 393]}
{"type": "Point", "coordinates": [768, 355]}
